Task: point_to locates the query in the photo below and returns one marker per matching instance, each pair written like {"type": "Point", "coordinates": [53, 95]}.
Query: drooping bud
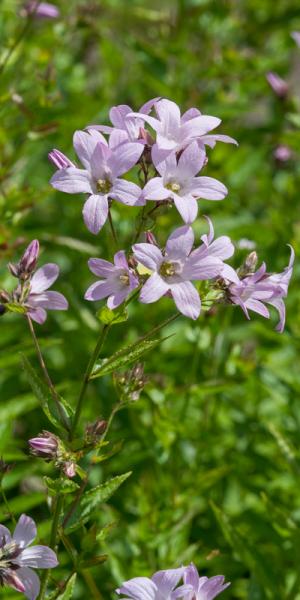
{"type": "Point", "coordinates": [278, 85]}
{"type": "Point", "coordinates": [44, 446]}
{"type": "Point", "coordinates": [59, 159]}
{"type": "Point", "coordinates": [249, 265]}
{"type": "Point", "coordinates": [69, 469]}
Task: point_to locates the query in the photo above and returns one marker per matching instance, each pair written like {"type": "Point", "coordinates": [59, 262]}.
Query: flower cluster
{"type": "Point", "coordinates": [17, 559]}
{"type": "Point", "coordinates": [163, 586]}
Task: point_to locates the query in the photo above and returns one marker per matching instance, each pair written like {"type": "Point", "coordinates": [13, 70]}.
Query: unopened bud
{"type": "Point", "coordinates": [29, 259]}
{"type": "Point", "coordinates": [59, 159]}
{"type": "Point", "coordinates": [251, 262]}
{"type": "Point", "coordinates": [44, 446]}
{"type": "Point", "coordinates": [69, 469]}
{"type": "Point", "coordinates": [150, 238]}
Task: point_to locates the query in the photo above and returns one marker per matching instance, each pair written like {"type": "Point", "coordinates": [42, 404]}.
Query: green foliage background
{"type": "Point", "coordinates": [213, 442]}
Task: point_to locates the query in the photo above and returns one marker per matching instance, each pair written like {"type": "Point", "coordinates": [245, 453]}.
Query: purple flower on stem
{"type": "Point", "coordinates": [100, 177]}
{"type": "Point", "coordinates": [174, 131]}
{"type": "Point", "coordinates": [161, 586]}
{"type": "Point", "coordinates": [203, 588]}
{"type": "Point", "coordinates": [117, 280]}
{"type": "Point", "coordinates": [173, 271]}
{"type": "Point", "coordinates": [253, 291]}
{"type": "Point", "coordinates": [27, 264]}
{"type": "Point", "coordinates": [125, 128]}
{"type": "Point", "coordinates": [38, 299]}
{"type": "Point", "coordinates": [17, 559]}
{"type": "Point", "coordinates": [42, 10]}
{"type": "Point", "coordinates": [178, 181]}
{"type": "Point", "coordinates": [278, 85]}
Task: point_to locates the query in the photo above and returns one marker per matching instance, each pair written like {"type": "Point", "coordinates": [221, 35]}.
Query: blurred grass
{"type": "Point", "coordinates": [214, 440]}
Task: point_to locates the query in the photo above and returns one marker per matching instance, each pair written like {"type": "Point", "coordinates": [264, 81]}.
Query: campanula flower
{"type": "Point", "coordinates": [18, 558]}
{"type": "Point", "coordinates": [117, 280]}
{"type": "Point", "coordinates": [175, 269]}
{"type": "Point", "coordinates": [100, 178]}
{"type": "Point", "coordinates": [161, 586]}
{"type": "Point", "coordinates": [178, 181]}
{"type": "Point", "coordinates": [174, 132]}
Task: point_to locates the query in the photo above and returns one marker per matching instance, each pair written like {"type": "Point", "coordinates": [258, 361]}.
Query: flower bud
{"type": "Point", "coordinates": [278, 85]}
{"type": "Point", "coordinates": [150, 238]}
{"type": "Point", "coordinates": [94, 430]}
{"type": "Point", "coordinates": [44, 446]}
{"type": "Point", "coordinates": [59, 159]}
{"type": "Point", "coordinates": [69, 469]}
{"type": "Point", "coordinates": [29, 259]}
{"type": "Point", "coordinates": [251, 262]}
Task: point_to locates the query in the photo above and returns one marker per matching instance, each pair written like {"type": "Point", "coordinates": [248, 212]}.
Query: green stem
{"type": "Point", "coordinates": [112, 228]}
{"type": "Point", "coordinates": [10, 514]}
{"type": "Point", "coordinates": [52, 543]}
{"type": "Point", "coordinates": [52, 389]}
{"type": "Point", "coordinates": [86, 378]}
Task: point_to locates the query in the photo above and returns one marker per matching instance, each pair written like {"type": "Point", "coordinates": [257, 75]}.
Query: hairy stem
{"type": "Point", "coordinates": [86, 378]}
{"type": "Point", "coordinates": [52, 543]}
{"type": "Point", "coordinates": [52, 389]}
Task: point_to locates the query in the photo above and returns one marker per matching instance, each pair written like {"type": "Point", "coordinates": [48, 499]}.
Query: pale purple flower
{"type": "Point", "coordinates": [173, 270]}
{"type": "Point", "coordinates": [174, 132]}
{"type": "Point", "coordinates": [117, 280]}
{"type": "Point", "coordinates": [125, 128]}
{"type": "Point", "coordinates": [42, 10]}
{"type": "Point", "coordinates": [282, 153]}
{"type": "Point", "coordinates": [203, 588]}
{"type": "Point", "coordinates": [178, 181]}
{"type": "Point", "coordinates": [278, 85]}
{"type": "Point", "coordinates": [38, 299]}
{"type": "Point", "coordinates": [296, 37]}
{"type": "Point", "coordinates": [100, 178]}
{"type": "Point", "coordinates": [253, 291]}
{"type": "Point", "coordinates": [17, 559]}
{"type": "Point", "coordinates": [161, 586]}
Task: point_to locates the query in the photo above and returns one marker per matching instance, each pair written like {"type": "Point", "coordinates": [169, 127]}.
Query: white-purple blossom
{"type": "Point", "coordinates": [178, 181]}
{"type": "Point", "coordinates": [18, 558]}
{"type": "Point", "coordinates": [100, 178]}
{"type": "Point", "coordinates": [38, 299]}
{"type": "Point", "coordinates": [174, 270]}
{"type": "Point", "coordinates": [161, 586]}
{"type": "Point", "coordinates": [117, 280]}
{"type": "Point", "coordinates": [174, 132]}
{"type": "Point", "coordinates": [203, 588]}
{"type": "Point", "coordinates": [255, 290]}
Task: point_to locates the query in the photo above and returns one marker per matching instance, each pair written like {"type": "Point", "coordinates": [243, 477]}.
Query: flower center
{"type": "Point", "coordinates": [173, 186]}
{"type": "Point", "coordinates": [124, 278]}
{"type": "Point", "coordinates": [103, 186]}
{"type": "Point", "coordinates": [168, 269]}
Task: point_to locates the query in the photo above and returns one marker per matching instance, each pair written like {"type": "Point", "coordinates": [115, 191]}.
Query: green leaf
{"type": "Point", "coordinates": [61, 486]}
{"type": "Point", "coordinates": [43, 394]}
{"type": "Point", "coordinates": [69, 589]}
{"type": "Point", "coordinates": [124, 357]}
{"type": "Point", "coordinates": [111, 317]}
{"type": "Point", "coordinates": [91, 500]}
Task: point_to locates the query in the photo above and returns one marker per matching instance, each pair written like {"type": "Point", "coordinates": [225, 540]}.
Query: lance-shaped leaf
{"type": "Point", "coordinates": [91, 500]}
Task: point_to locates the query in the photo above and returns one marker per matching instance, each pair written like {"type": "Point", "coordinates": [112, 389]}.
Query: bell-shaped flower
{"type": "Point", "coordinates": [174, 132]}
{"type": "Point", "coordinates": [174, 270]}
{"type": "Point", "coordinates": [254, 291]}
{"type": "Point", "coordinates": [179, 182]}
{"type": "Point", "coordinates": [38, 299]}
{"type": "Point", "coordinates": [100, 178]}
{"type": "Point", "coordinates": [117, 280]}
{"type": "Point", "coordinates": [18, 558]}
{"type": "Point", "coordinates": [202, 588]}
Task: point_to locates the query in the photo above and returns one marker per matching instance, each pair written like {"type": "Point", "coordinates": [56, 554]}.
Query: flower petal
{"type": "Point", "coordinates": [180, 242]}
{"type": "Point", "coordinates": [4, 535]}
{"type": "Point", "coordinates": [186, 299]}
{"type": "Point", "coordinates": [100, 267]}
{"type": "Point", "coordinates": [139, 588]}
{"type": "Point", "coordinates": [127, 193]}
{"type": "Point", "coordinates": [30, 581]}
{"type": "Point", "coordinates": [198, 126]}
{"type": "Point", "coordinates": [72, 181]}
{"type": "Point", "coordinates": [121, 162]}
{"type": "Point", "coordinates": [49, 300]}
{"type": "Point", "coordinates": [167, 580]}
{"type": "Point", "coordinates": [85, 142]}
{"type": "Point", "coordinates": [153, 289]}
{"type": "Point", "coordinates": [38, 557]}
{"type": "Point", "coordinates": [25, 531]}
{"type": "Point", "coordinates": [191, 160]}
{"type": "Point", "coordinates": [187, 207]}
{"type": "Point", "coordinates": [95, 212]}
{"type": "Point", "coordinates": [100, 290]}
{"type": "Point", "coordinates": [149, 255]}
{"type": "Point", "coordinates": [44, 278]}
{"type": "Point", "coordinates": [38, 315]}
{"type": "Point", "coordinates": [155, 190]}
{"type": "Point", "coordinates": [208, 188]}
{"type": "Point", "coordinates": [211, 140]}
